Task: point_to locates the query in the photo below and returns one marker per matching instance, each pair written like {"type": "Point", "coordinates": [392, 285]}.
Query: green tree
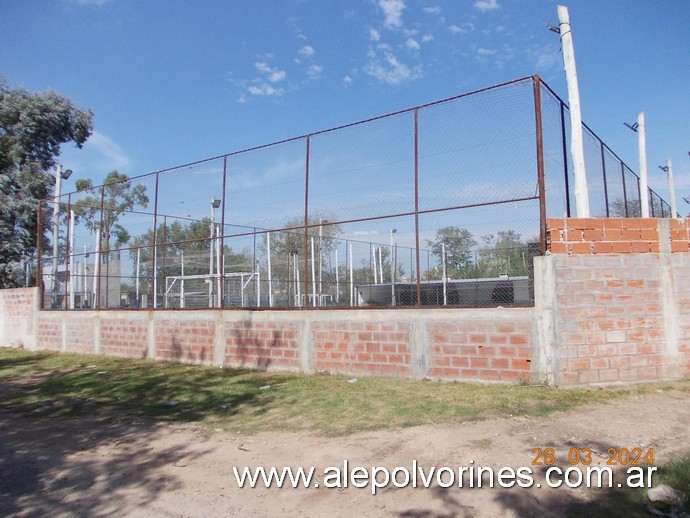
{"type": "Point", "coordinates": [288, 246]}
{"type": "Point", "coordinates": [459, 243]}
{"type": "Point", "coordinates": [117, 195]}
{"type": "Point", "coordinates": [32, 129]}
{"type": "Point", "coordinates": [502, 254]}
{"type": "Point", "coordinates": [617, 208]}
{"type": "Point", "coordinates": [176, 240]}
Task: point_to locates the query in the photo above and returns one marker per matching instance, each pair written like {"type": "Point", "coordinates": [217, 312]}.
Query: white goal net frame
{"type": "Point", "coordinates": [239, 289]}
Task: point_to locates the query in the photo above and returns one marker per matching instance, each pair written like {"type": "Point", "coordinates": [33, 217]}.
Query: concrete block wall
{"type": "Point", "coordinates": [621, 294]}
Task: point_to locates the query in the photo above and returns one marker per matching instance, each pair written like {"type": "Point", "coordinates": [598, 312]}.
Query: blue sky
{"type": "Point", "coordinates": [173, 81]}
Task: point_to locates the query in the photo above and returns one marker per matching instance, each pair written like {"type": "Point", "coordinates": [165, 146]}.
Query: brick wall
{"type": "Point", "coordinates": [480, 350]}
{"type": "Point", "coordinates": [577, 236]}
{"type": "Point", "coordinates": [378, 348]}
{"type": "Point", "coordinates": [621, 295]}
{"type": "Point", "coordinates": [17, 310]}
{"type": "Point", "coordinates": [612, 305]}
{"type": "Point", "coordinates": [269, 344]}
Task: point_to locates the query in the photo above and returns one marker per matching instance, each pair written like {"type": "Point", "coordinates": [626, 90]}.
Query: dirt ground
{"type": "Point", "coordinates": [108, 465]}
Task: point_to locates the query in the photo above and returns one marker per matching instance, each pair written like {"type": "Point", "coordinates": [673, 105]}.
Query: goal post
{"type": "Point", "coordinates": [239, 289]}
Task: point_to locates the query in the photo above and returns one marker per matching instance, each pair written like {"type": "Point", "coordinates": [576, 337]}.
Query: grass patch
{"type": "Point", "coordinates": [54, 384]}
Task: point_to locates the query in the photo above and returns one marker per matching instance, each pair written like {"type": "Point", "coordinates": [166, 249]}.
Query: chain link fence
{"type": "Point", "coordinates": [443, 204]}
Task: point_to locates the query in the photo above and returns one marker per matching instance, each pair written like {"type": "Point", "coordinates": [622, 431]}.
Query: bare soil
{"type": "Point", "coordinates": [103, 464]}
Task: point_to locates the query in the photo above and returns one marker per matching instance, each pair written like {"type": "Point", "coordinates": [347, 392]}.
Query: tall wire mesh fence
{"type": "Point", "coordinates": [443, 204]}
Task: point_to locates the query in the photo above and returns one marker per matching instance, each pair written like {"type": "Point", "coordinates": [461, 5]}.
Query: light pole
{"type": "Point", "coordinates": [668, 168]}
{"type": "Point", "coordinates": [214, 205]}
{"type": "Point", "coordinates": [59, 176]}
{"type": "Point", "coordinates": [576, 139]}
{"type": "Point", "coordinates": [639, 128]}
{"type": "Point", "coordinates": [393, 231]}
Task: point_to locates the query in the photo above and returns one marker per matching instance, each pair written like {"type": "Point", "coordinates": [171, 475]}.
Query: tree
{"type": "Point", "coordinates": [458, 247]}
{"type": "Point", "coordinates": [32, 129]}
{"type": "Point", "coordinates": [287, 246]}
{"type": "Point", "coordinates": [504, 254]}
{"type": "Point", "coordinates": [176, 240]}
{"type": "Point", "coordinates": [618, 208]}
{"type": "Point", "coordinates": [116, 196]}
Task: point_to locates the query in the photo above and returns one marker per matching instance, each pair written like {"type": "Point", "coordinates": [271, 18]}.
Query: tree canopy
{"type": "Point", "coordinates": [33, 126]}
{"type": "Point", "coordinates": [117, 195]}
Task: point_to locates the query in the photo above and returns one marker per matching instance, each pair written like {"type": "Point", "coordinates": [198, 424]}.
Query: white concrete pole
{"type": "Point", "coordinates": [270, 275]}
{"type": "Point", "coordinates": [642, 148]}
{"type": "Point", "coordinates": [352, 278]}
{"type": "Point", "coordinates": [219, 271]}
{"type": "Point", "coordinates": [337, 279]}
{"type": "Point", "coordinates": [56, 222]}
{"type": "Point", "coordinates": [445, 275]}
{"type": "Point", "coordinates": [671, 188]}
{"type": "Point", "coordinates": [313, 273]}
{"type": "Point", "coordinates": [576, 146]}
{"type": "Point", "coordinates": [72, 273]}
{"type": "Point", "coordinates": [210, 253]}
{"type": "Point", "coordinates": [181, 280]}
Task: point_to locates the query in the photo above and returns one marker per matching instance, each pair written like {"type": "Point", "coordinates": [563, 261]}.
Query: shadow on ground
{"type": "Point", "coordinates": [45, 464]}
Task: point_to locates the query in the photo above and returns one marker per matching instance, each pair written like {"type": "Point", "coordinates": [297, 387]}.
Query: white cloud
{"type": "Point", "coordinates": [264, 89]}
{"type": "Point", "coordinates": [392, 10]}
{"type": "Point", "coordinates": [432, 10]}
{"type": "Point", "coordinates": [463, 28]}
{"type": "Point", "coordinates": [99, 155]}
{"type": "Point", "coordinates": [347, 80]}
{"type": "Point", "coordinates": [314, 71]}
{"type": "Point", "coordinates": [427, 38]}
{"type": "Point", "coordinates": [486, 5]}
{"type": "Point", "coordinates": [374, 35]}
{"type": "Point", "coordinates": [412, 44]}
{"type": "Point", "coordinates": [389, 69]}
{"type": "Point", "coordinates": [307, 51]}
{"type": "Point", "coordinates": [272, 74]}
{"type": "Point", "coordinates": [486, 52]}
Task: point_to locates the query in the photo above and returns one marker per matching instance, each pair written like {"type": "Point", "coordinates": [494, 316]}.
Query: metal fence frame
{"type": "Point", "coordinates": [539, 90]}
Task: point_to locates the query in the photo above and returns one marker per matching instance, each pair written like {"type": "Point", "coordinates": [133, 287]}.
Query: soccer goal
{"type": "Point", "coordinates": [239, 289]}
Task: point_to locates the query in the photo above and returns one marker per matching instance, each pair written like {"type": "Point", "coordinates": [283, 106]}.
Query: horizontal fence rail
{"type": "Point", "coordinates": [442, 204]}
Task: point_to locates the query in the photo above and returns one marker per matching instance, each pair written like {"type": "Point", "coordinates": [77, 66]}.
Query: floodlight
{"type": "Point", "coordinates": [215, 203]}
{"type": "Point", "coordinates": [66, 174]}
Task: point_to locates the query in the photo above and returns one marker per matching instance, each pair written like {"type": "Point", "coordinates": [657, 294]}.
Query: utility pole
{"type": "Point", "coordinates": [668, 168]}
{"type": "Point", "coordinates": [576, 146]}
{"type": "Point", "coordinates": [642, 146]}
{"type": "Point", "coordinates": [639, 128]}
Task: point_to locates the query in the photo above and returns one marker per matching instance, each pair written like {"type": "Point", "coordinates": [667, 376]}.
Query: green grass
{"type": "Point", "coordinates": [55, 385]}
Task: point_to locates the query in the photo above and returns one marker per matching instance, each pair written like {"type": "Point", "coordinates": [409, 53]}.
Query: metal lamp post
{"type": "Point", "coordinates": [214, 205]}
{"type": "Point", "coordinates": [59, 176]}
{"type": "Point", "coordinates": [393, 231]}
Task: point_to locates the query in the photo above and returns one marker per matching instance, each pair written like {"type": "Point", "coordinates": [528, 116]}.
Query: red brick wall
{"type": "Point", "coordinates": [124, 336]}
{"type": "Point", "coordinates": [80, 334]}
{"type": "Point", "coordinates": [49, 334]}
{"type": "Point", "coordinates": [190, 339]}
{"type": "Point", "coordinates": [262, 344]}
{"type": "Point", "coordinates": [486, 351]}
{"type": "Point", "coordinates": [612, 305]}
{"type": "Point", "coordinates": [576, 236]}
{"type": "Point", "coordinates": [610, 317]}
{"type": "Point", "coordinates": [378, 348]}
{"type": "Point", "coordinates": [17, 310]}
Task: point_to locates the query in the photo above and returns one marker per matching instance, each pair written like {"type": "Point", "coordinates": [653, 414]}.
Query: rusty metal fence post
{"type": "Point", "coordinates": [536, 82]}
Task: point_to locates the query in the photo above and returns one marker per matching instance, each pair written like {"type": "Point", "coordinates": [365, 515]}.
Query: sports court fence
{"type": "Point", "coordinates": [443, 204]}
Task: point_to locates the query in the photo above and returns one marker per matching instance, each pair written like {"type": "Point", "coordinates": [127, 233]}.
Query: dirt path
{"type": "Point", "coordinates": [101, 466]}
